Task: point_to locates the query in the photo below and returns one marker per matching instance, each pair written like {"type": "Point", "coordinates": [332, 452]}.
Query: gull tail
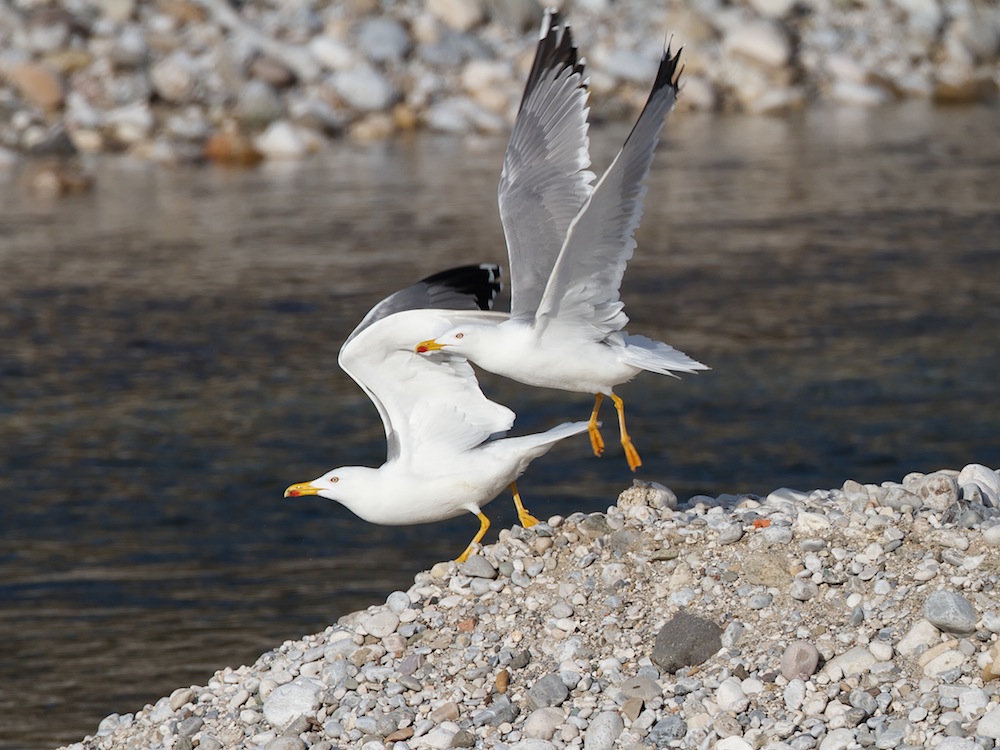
{"type": "Point", "coordinates": [538, 444]}
{"type": "Point", "coordinates": [656, 356]}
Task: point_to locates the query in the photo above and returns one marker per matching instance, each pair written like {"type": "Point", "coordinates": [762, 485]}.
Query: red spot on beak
{"type": "Point", "coordinates": [294, 493]}
{"type": "Point", "coordinates": [421, 349]}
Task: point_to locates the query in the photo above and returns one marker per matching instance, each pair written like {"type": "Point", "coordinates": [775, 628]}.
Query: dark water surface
{"type": "Point", "coordinates": [168, 366]}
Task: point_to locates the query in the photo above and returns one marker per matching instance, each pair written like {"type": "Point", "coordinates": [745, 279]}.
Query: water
{"type": "Point", "coordinates": [169, 366]}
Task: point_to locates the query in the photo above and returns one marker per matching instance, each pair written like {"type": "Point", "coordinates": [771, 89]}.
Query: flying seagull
{"type": "Point", "coordinates": [446, 451]}
{"type": "Point", "coordinates": [568, 242]}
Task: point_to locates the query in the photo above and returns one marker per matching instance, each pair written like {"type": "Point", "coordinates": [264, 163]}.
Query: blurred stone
{"type": "Point", "coordinates": [38, 84]}
{"type": "Point", "coordinates": [761, 41]}
{"type": "Point", "coordinates": [383, 39]}
{"type": "Point", "coordinates": [174, 77]}
{"type": "Point", "coordinates": [461, 15]}
{"type": "Point", "coordinates": [364, 88]}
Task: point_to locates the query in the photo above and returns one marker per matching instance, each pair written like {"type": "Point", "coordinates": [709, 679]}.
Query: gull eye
{"type": "Point", "coordinates": [334, 480]}
{"type": "Point", "coordinates": [459, 335]}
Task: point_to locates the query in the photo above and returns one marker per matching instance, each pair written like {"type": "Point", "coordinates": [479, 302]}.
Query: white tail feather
{"type": "Point", "coordinates": [655, 356]}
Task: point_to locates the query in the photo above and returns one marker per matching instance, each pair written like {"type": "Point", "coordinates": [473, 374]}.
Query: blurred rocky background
{"type": "Point", "coordinates": [176, 80]}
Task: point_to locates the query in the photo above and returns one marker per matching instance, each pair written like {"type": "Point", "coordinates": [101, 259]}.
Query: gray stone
{"type": "Point", "coordinates": [364, 88]}
{"type": "Point", "coordinates": [803, 589]}
{"type": "Point", "coordinates": [550, 690]}
{"type": "Point", "coordinates": [950, 612]}
{"type": "Point", "coordinates": [383, 39]}
{"type": "Point", "coordinates": [730, 533]}
{"type": "Point", "coordinates": [499, 711]}
{"type": "Point", "coordinates": [685, 641]}
{"type": "Point", "coordinates": [800, 659]}
{"type": "Point", "coordinates": [670, 728]}
{"type": "Point", "coordinates": [258, 104]}
{"type": "Point", "coordinates": [865, 701]}
{"type": "Point", "coordinates": [898, 498]}
{"type": "Point", "coordinates": [463, 738]}
{"type": "Point", "coordinates": [477, 566]}
{"type": "Point", "coordinates": [189, 726]}
{"type": "Point", "coordinates": [603, 732]}
{"type": "Point", "coordinates": [989, 725]}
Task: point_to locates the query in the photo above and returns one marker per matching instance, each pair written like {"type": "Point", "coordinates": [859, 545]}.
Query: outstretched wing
{"type": "Point", "coordinates": [545, 179]}
{"type": "Point", "coordinates": [427, 403]}
{"type": "Point", "coordinates": [461, 288]}
{"type": "Point", "coordinates": [585, 282]}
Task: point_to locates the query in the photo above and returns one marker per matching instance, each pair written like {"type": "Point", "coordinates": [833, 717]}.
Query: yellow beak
{"type": "Point", "coordinates": [303, 488]}
{"type": "Point", "coordinates": [428, 346]}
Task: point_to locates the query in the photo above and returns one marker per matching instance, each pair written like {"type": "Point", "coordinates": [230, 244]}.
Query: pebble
{"type": "Point", "coordinates": [589, 649]}
{"type": "Point", "coordinates": [603, 732]}
{"type": "Point", "coordinates": [799, 659]}
{"type": "Point", "coordinates": [457, 66]}
{"type": "Point", "coordinates": [550, 690]}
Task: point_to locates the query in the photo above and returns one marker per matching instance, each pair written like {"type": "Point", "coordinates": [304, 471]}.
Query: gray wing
{"type": "Point", "coordinates": [545, 180]}
{"type": "Point", "coordinates": [584, 287]}
{"type": "Point", "coordinates": [462, 288]}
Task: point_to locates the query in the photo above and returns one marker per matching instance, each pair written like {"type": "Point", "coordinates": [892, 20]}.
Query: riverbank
{"type": "Point", "coordinates": [175, 80]}
{"type": "Point", "coordinates": [865, 615]}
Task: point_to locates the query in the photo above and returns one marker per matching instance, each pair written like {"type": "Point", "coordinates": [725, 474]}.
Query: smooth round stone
{"type": "Point", "coordinates": [950, 612]}
{"type": "Point", "coordinates": [379, 624]}
{"type": "Point", "coordinates": [803, 589]}
{"type": "Point", "coordinates": [937, 491]}
{"type": "Point", "coordinates": [733, 743]}
{"type": "Point", "coordinates": [180, 696]}
{"type": "Point", "coordinates": [398, 601]}
{"type": "Point", "coordinates": [730, 696]}
{"type": "Point", "coordinates": [684, 641]}
{"type": "Point", "coordinates": [285, 743]}
{"type": "Point", "coordinates": [730, 533]}
{"type": "Point", "coordinates": [838, 739]}
{"type": "Point", "coordinates": [364, 88]}
{"type": "Point", "coordinates": [799, 659]}
{"type": "Point", "coordinates": [543, 723]}
{"type": "Point", "coordinates": [991, 535]}
{"type": "Point", "coordinates": [603, 732]}
{"type": "Point", "coordinates": [989, 725]}
{"type": "Point", "coordinates": [477, 566]}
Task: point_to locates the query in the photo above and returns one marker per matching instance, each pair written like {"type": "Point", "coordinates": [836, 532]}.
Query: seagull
{"type": "Point", "coordinates": [447, 453]}
{"type": "Point", "coordinates": [568, 242]}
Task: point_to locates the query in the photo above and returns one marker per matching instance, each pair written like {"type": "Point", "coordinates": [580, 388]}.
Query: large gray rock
{"type": "Point", "coordinates": [685, 641]}
{"type": "Point", "coordinates": [950, 612]}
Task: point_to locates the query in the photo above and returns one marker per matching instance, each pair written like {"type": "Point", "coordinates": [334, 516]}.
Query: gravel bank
{"type": "Point", "coordinates": [865, 616]}
{"type": "Point", "coordinates": [173, 80]}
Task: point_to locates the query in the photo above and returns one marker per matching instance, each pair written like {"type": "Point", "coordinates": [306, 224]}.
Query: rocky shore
{"type": "Point", "coordinates": [240, 80]}
{"type": "Point", "coordinates": [864, 616]}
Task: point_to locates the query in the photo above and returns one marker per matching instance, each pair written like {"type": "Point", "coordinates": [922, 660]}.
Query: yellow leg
{"type": "Point", "coordinates": [484, 524]}
{"type": "Point", "coordinates": [527, 520]}
{"type": "Point", "coordinates": [631, 454]}
{"type": "Point", "coordinates": [596, 441]}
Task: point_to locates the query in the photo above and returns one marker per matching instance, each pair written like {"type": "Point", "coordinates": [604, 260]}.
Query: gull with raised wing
{"type": "Point", "coordinates": [569, 241]}
{"type": "Point", "coordinates": [446, 451]}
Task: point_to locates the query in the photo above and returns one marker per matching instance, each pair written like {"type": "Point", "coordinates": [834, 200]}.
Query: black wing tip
{"type": "Point", "coordinates": [481, 281]}
{"type": "Point", "coordinates": [555, 52]}
{"type": "Point", "coordinates": [669, 72]}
